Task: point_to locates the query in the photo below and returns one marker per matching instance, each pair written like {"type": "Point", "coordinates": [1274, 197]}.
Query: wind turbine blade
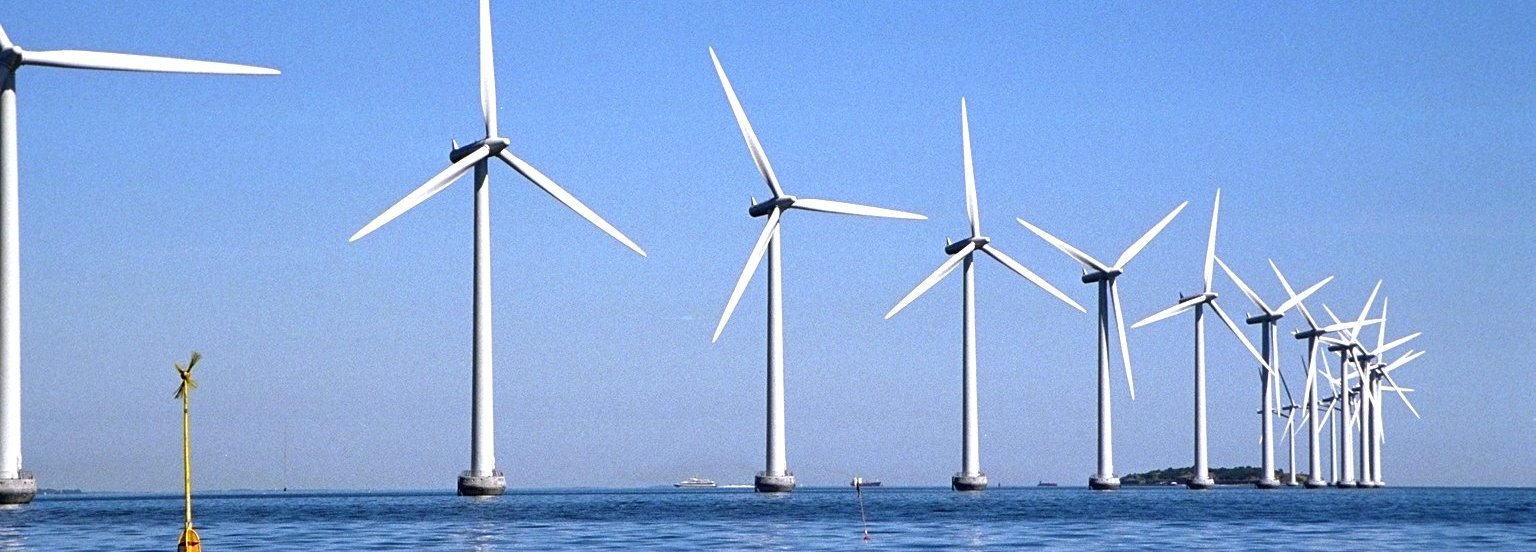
{"type": "Point", "coordinates": [81, 59]}
{"type": "Point", "coordinates": [1240, 337]}
{"type": "Point", "coordinates": [844, 208]}
{"type": "Point", "coordinates": [1177, 308]}
{"type": "Point", "coordinates": [1125, 347]}
{"type": "Point", "coordinates": [1077, 255]}
{"type": "Point", "coordinates": [430, 188]}
{"type": "Point", "coordinates": [5, 40]}
{"type": "Point", "coordinates": [1381, 331]}
{"type": "Point", "coordinates": [753, 145]}
{"type": "Point", "coordinates": [1400, 395]}
{"type": "Point", "coordinates": [753, 259]}
{"type": "Point", "coordinates": [1241, 285]}
{"type": "Point", "coordinates": [487, 71]}
{"type": "Point", "coordinates": [1328, 371]}
{"type": "Point", "coordinates": [1405, 359]}
{"type": "Point", "coordinates": [1210, 243]}
{"type": "Point", "coordinates": [565, 198]}
{"type": "Point", "coordinates": [1297, 299]}
{"type": "Point", "coordinates": [1141, 243]}
{"type": "Point", "coordinates": [971, 210]}
{"type": "Point", "coordinates": [1031, 276]}
{"type": "Point", "coordinates": [1291, 293]}
{"type": "Point", "coordinates": [1331, 328]}
{"type": "Point", "coordinates": [938, 274]}
{"type": "Point", "coordinates": [1285, 386]}
{"type": "Point", "coordinates": [1395, 343]}
{"type": "Point", "coordinates": [1367, 309]}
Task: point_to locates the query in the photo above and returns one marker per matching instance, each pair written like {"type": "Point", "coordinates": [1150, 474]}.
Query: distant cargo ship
{"type": "Point", "coordinates": [695, 483]}
{"type": "Point", "coordinates": [861, 482]}
{"type": "Point", "coordinates": [1045, 484]}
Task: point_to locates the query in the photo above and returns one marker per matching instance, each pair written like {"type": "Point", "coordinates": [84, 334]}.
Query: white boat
{"type": "Point", "coordinates": [695, 483]}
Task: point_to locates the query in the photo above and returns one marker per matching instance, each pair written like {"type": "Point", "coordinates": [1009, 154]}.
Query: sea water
{"type": "Point", "coordinates": [808, 519]}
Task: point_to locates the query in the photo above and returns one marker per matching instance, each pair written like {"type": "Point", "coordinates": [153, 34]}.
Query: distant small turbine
{"type": "Point", "coordinates": [17, 487]}
{"type": "Point", "coordinates": [1105, 275]}
{"type": "Point", "coordinates": [1371, 372]}
{"type": "Point", "coordinates": [1202, 476]}
{"type": "Point", "coordinates": [970, 477]}
{"type": "Point", "coordinates": [1266, 321]}
{"type": "Point", "coordinates": [1309, 396]}
{"type": "Point", "coordinates": [776, 476]}
{"type": "Point", "coordinates": [1346, 356]}
{"type": "Point", "coordinates": [483, 478]}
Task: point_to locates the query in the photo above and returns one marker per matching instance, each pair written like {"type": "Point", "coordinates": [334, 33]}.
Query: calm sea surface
{"type": "Point", "coordinates": [808, 519]}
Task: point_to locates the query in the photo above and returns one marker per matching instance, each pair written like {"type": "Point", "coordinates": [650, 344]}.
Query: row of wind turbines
{"type": "Point", "coordinates": [483, 478]}
{"type": "Point", "coordinates": [776, 476]}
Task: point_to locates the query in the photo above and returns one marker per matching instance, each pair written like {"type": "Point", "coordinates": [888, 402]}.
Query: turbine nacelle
{"type": "Point", "coordinates": [978, 241]}
{"type": "Point", "coordinates": [1098, 275]}
{"type": "Point", "coordinates": [1307, 334]}
{"type": "Point", "coordinates": [496, 144]}
{"type": "Point", "coordinates": [1266, 317]}
{"type": "Point", "coordinates": [768, 206]}
{"type": "Point", "coordinates": [10, 57]}
{"type": "Point", "coordinates": [1205, 297]}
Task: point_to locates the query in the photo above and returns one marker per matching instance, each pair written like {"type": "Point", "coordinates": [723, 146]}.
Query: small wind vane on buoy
{"type": "Point", "coordinates": [189, 541]}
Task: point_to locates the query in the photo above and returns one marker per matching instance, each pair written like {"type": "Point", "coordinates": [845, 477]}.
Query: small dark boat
{"type": "Point", "coordinates": [1044, 484]}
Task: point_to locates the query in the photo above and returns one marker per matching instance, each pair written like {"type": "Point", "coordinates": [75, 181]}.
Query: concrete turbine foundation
{"type": "Point", "coordinates": [963, 482]}
{"type": "Point", "coordinates": [765, 483]}
{"type": "Point", "coordinates": [482, 485]}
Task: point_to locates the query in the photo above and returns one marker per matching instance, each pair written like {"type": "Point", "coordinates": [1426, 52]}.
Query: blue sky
{"type": "Point", "coordinates": [164, 213]}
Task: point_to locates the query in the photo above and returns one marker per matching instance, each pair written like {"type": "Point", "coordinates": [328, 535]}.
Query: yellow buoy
{"type": "Point", "coordinates": [189, 541]}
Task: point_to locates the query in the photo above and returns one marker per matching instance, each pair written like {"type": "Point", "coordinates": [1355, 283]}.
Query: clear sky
{"type": "Point", "coordinates": [165, 213]}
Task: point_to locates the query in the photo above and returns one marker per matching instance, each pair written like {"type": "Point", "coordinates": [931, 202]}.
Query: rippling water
{"type": "Point", "coordinates": [808, 519]}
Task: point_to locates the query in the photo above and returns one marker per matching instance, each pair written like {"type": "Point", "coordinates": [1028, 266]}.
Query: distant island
{"type": "Point", "coordinates": [1243, 475]}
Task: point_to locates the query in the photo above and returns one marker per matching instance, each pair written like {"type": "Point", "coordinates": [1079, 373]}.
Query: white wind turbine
{"type": "Point", "coordinates": [970, 477]}
{"type": "Point", "coordinates": [1268, 372]}
{"type": "Point", "coordinates": [1346, 352]}
{"type": "Point", "coordinates": [483, 478]}
{"type": "Point", "coordinates": [1371, 372]}
{"type": "Point", "coordinates": [1105, 275]}
{"type": "Point", "coordinates": [1309, 395]}
{"type": "Point", "coordinates": [776, 476]}
{"type": "Point", "coordinates": [17, 487]}
{"type": "Point", "coordinates": [1202, 476]}
{"type": "Point", "coordinates": [1378, 431]}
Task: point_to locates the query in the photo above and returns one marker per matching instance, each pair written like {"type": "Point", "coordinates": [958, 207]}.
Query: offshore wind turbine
{"type": "Point", "coordinates": [1198, 302]}
{"type": "Point", "coordinates": [776, 476]}
{"type": "Point", "coordinates": [1371, 372]}
{"type": "Point", "coordinates": [1384, 372]}
{"type": "Point", "coordinates": [483, 478]}
{"type": "Point", "coordinates": [1268, 372]}
{"type": "Point", "coordinates": [16, 486]}
{"type": "Point", "coordinates": [1105, 275]}
{"type": "Point", "coordinates": [970, 476]}
{"type": "Point", "coordinates": [1346, 353]}
{"type": "Point", "coordinates": [1309, 396]}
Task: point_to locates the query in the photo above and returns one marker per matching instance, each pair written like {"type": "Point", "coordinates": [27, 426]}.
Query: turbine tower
{"type": "Point", "coordinates": [970, 476]}
{"type": "Point", "coordinates": [776, 476]}
{"type": "Point", "coordinates": [483, 478]}
{"type": "Point", "coordinates": [1198, 302]}
{"type": "Point", "coordinates": [1267, 373]}
{"type": "Point", "coordinates": [17, 486]}
{"type": "Point", "coordinates": [1104, 275]}
{"type": "Point", "coordinates": [1309, 396]}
